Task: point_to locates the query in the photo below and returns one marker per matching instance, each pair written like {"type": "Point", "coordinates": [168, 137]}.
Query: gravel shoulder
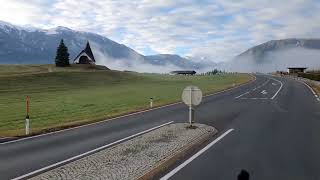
{"type": "Point", "coordinates": [138, 158]}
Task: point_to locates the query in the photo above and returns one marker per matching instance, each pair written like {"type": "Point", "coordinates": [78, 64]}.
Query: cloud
{"type": "Point", "coordinates": [23, 12]}
{"type": "Point", "coordinates": [218, 30]}
{"type": "Point", "coordinates": [133, 63]}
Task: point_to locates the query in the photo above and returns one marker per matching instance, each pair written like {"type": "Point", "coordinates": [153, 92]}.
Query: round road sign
{"type": "Point", "coordinates": [192, 96]}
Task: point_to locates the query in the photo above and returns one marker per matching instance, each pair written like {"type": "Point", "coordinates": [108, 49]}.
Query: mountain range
{"type": "Point", "coordinates": [261, 52]}
{"type": "Point", "coordinates": [25, 45]}
{"type": "Point", "coordinates": [276, 55]}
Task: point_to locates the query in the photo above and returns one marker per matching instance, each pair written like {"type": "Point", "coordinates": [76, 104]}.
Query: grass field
{"type": "Point", "coordinates": [62, 97]}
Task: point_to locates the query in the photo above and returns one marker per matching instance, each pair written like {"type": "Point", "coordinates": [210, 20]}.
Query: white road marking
{"type": "Point", "coordinates": [174, 171]}
{"type": "Point", "coordinates": [313, 92]}
{"type": "Point", "coordinates": [126, 115]}
{"type": "Point", "coordinates": [263, 84]}
{"type": "Point", "coordinates": [89, 152]}
{"type": "Point", "coordinates": [111, 119]}
{"type": "Point", "coordinates": [264, 92]}
{"type": "Point", "coordinates": [254, 98]}
{"type": "Point", "coordinates": [242, 94]}
{"type": "Point", "coordinates": [278, 89]}
{"type": "Point", "coordinates": [302, 81]}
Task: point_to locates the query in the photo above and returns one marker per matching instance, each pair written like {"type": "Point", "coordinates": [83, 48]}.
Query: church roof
{"type": "Point", "coordinates": [88, 51]}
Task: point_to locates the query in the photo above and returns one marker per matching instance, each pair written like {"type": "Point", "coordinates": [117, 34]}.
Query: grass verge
{"type": "Point", "coordinates": [315, 87]}
{"type": "Point", "coordinates": [67, 98]}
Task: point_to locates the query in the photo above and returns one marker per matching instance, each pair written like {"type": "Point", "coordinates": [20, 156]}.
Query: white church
{"type": "Point", "coordinates": [85, 56]}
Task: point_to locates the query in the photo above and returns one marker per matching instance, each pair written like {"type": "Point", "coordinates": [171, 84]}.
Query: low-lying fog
{"type": "Point", "coordinates": [272, 61]}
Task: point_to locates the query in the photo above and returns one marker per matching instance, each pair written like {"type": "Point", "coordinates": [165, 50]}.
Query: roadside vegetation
{"type": "Point", "coordinates": [64, 97]}
{"type": "Point", "coordinates": [315, 86]}
{"type": "Point", "coordinates": [315, 76]}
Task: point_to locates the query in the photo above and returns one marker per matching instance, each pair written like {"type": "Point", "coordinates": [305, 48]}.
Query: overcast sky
{"type": "Point", "coordinates": [217, 29]}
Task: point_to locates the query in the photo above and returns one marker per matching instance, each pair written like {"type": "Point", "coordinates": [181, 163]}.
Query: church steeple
{"type": "Point", "coordinates": [85, 56]}
{"type": "Point", "coordinates": [89, 51]}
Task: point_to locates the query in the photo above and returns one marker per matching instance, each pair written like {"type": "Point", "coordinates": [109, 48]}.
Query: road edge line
{"type": "Point", "coordinates": [126, 115]}
{"type": "Point", "coordinates": [175, 170]}
{"type": "Point", "coordinates": [310, 88]}
{"type": "Point", "coordinates": [88, 152]}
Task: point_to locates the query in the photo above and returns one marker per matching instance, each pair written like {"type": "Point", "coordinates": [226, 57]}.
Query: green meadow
{"type": "Point", "coordinates": [66, 97]}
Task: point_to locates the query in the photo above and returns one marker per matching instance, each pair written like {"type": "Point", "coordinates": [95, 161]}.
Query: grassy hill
{"type": "Point", "coordinates": [64, 97]}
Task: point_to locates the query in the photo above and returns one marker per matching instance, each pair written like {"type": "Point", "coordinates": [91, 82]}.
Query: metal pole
{"type": "Point", "coordinates": [190, 115]}
{"type": "Point", "coordinates": [190, 109]}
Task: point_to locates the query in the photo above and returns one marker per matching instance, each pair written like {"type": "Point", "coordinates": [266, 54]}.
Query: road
{"type": "Point", "coordinates": [276, 135]}
{"type": "Point", "coordinates": [275, 122]}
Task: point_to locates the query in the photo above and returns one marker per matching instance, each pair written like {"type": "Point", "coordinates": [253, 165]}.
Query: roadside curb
{"type": "Point", "coordinates": [88, 153]}
{"type": "Point", "coordinates": [168, 162]}
{"type": "Point", "coordinates": [141, 157]}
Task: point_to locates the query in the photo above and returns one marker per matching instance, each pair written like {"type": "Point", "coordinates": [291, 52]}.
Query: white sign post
{"type": "Point", "coordinates": [191, 96]}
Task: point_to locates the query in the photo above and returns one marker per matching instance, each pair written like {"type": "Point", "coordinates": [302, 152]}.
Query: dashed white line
{"type": "Point", "coordinates": [174, 171]}
{"type": "Point", "coordinates": [89, 152]}
{"type": "Point", "coordinates": [242, 94]}
{"type": "Point", "coordinates": [264, 91]}
{"type": "Point", "coordinates": [253, 89]}
{"type": "Point", "coordinates": [254, 98]}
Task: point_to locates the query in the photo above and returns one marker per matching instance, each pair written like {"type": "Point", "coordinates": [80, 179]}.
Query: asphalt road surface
{"type": "Point", "coordinates": [276, 135]}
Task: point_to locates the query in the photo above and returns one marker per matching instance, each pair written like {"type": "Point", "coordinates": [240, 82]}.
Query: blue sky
{"type": "Point", "coordinates": [217, 30]}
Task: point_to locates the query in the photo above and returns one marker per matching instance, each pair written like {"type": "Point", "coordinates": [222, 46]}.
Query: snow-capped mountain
{"type": "Point", "coordinates": [28, 45]}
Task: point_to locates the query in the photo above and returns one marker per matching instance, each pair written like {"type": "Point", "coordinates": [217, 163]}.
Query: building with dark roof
{"type": "Point", "coordinates": [296, 70]}
{"type": "Point", "coordinates": [85, 56]}
{"type": "Point", "coordinates": [183, 72]}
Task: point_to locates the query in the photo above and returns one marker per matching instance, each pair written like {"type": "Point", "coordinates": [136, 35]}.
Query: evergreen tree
{"type": "Point", "coordinates": [62, 57]}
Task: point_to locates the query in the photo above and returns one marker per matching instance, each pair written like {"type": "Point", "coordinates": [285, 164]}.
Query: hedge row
{"type": "Point", "coordinates": [312, 76]}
